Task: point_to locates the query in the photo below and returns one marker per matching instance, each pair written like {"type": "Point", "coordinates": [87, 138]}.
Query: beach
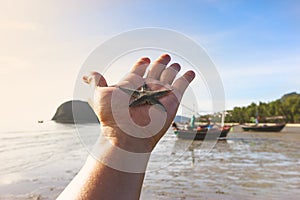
{"type": "Point", "coordinates": [38, 162]}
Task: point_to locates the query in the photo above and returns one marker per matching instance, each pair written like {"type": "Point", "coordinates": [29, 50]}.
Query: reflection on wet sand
{"type": "Point", "coordinates": [244, 166]}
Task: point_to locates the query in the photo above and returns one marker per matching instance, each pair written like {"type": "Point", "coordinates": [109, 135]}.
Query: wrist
{"type": "Point", "coordinates": [121, 139]}
{"type": "Point", "coordinates": [119, 159]}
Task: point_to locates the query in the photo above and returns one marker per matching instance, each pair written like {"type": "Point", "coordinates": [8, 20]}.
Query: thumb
{"type": "Point", "coordinates": [95, 79]}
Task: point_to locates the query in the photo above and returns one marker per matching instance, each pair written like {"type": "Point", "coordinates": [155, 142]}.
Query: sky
{"type": "Point", "coordinates": [255, 46]}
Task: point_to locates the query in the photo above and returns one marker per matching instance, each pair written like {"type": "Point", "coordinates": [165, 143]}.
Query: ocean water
{"type": "Point", "coordinates": [39, 160]}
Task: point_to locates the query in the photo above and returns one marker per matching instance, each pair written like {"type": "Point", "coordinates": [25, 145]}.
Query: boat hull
{"type": "Point", "coordinates": [206, 134]}
{"type": "Point", "coordinates": [273, 128]}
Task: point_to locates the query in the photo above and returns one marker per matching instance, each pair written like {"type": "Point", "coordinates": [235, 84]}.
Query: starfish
{"type": "Point", "coordinates": [145, 96]}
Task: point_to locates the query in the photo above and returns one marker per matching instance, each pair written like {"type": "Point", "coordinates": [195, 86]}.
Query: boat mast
{"type": "Point", "coordinates": [256, 117]}
{"type": "Point", "coordinates": [223, 119]}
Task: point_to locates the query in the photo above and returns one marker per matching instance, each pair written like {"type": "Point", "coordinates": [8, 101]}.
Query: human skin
{"type": "Point", "coordinates": [98, 180]}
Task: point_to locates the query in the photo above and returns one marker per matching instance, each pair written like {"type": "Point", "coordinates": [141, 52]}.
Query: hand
{"type": "Point", "coordinates": [139, 128]}
{"type": "Point", "coordinates": [136, 129]}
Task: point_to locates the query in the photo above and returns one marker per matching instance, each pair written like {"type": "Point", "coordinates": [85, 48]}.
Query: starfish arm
{"type": "Point", "coordinates": [161, 93]}
{"type": "Point", "coordinates": [139, 101]}
{"type": "Point", "coordinates": [131, 92]}
{"type": "Point", "coordinates": [147, 100]}
{"type": "Point", "coordinates": [154, 101]}
{"type": "Point", "coordinates": [145, 87]}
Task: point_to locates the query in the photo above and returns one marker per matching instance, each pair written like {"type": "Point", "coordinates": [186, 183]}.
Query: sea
{"type": "Point", "coordinates": [39, 160]}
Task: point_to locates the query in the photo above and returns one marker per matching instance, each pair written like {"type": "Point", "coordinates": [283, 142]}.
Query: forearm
{"type": "Point", "coordinates": [109, 173]}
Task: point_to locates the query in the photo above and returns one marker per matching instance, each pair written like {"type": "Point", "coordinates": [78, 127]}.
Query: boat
{"type": "Point", "coordinates": [264, 128]}
{"type": "Point", "coordinates": [203, 133]}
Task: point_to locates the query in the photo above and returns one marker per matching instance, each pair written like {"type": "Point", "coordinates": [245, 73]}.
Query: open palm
{"type": "Point", "coordinates": [145, 123]}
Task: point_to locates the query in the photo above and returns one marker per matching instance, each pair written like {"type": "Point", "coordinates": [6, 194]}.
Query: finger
{"type": "Point", "coordinates": [169, 74]}
{"type": "Point", "coordinates": [95, 79]}
{"type": "Point", "coordinates": [135, 80]}
{"type": "Point", "coordinates": [158, 66]}
{"type": "Point", "coordinates": [182, 83]}
{"type": "Point", "coordinates": [140, 67]}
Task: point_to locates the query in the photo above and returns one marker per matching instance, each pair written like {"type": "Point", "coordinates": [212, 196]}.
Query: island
{"type": "Point", "coordinates": [75, 111]}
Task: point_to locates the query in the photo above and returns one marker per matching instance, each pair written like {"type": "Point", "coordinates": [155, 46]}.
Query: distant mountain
{"type": "Point", "coordinates": [181, 119]}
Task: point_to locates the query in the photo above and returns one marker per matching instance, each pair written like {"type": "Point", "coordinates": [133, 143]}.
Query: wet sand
{"type": "Point", "coordinates": [245, 166]}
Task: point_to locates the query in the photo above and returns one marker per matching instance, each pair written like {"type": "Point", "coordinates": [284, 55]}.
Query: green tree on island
{"type": "Point", "coordinates": [287, 106]}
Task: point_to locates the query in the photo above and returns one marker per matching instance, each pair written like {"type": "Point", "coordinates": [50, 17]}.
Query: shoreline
{"type": "Point", "coordinates": [250, 124]}
{"type": "Point", "coordinates": [293, 125]}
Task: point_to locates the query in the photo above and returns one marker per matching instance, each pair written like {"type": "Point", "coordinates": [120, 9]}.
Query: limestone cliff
{"type": "Point", "coordinates": [75, 111]}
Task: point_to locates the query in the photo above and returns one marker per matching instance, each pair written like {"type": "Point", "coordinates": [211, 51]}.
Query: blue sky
{"type": "Point", "coordinates": [254, 44]}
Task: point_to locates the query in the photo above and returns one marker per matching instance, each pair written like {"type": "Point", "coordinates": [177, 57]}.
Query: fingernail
{"type": "Point", "coordinates": [176, 67]}
{"type": "Point", "coordinates": [191, 75]}
{"type": "Point", "coordinates": [145, 60]}
{"type": "Point", "coordinates": [164, 59]}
